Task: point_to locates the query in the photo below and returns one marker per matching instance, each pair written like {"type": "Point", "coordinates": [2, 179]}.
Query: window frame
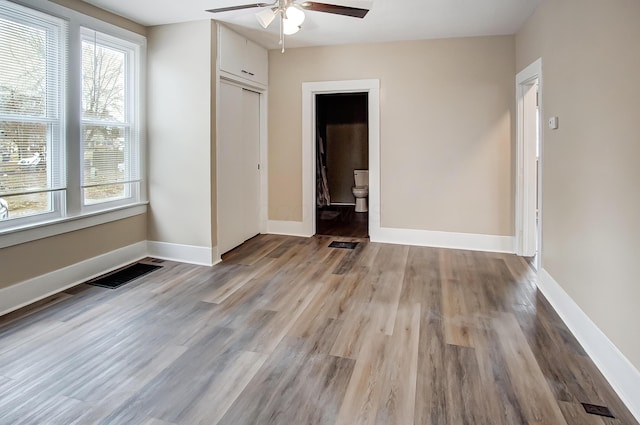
{"type": "Point", "coordinates": [132, 53]}
{"type": "Point", "coordinates": [74, 215]}
{"type": "Point", "coordinates": [53, 116]}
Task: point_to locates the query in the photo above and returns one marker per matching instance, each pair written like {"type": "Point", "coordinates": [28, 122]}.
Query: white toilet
{"type": "Point", "coordinates": [361, 190]}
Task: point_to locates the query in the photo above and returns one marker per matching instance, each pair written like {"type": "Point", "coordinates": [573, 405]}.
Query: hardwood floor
{"type": "Point", "coordinates": [342, 220]}
{"type": "Point", "coordinates": [288, 331]}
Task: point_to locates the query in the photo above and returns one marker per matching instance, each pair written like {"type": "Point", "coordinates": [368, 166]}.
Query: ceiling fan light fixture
{"type": "Point", "coordinates": [266, 16]}
{"type": "Point", "coordinates": [294, 15]}
{"type": "Point", "coordinates": [288, 28]}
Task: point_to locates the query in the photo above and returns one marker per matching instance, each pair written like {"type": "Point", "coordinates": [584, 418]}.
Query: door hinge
{"type": "Point", "coordinates": [258, 166]}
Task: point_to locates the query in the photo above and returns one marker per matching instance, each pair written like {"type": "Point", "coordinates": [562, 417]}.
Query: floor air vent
{"type": "Point", "coordinates": [594, 409]}
{"type": "Point", "coordinates": [153, 260]}
{"type": "Point", "coordinates": [125, 275]}
{"type": "Point", "coordinates": [344, 245]}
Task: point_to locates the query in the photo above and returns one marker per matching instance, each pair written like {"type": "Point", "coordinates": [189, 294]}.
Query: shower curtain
{"type": "Point", "coordinates": [322, 186]}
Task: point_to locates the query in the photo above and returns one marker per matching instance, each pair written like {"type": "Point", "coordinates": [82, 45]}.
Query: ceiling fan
{"type": "Point", "coordinates": [291, 13]}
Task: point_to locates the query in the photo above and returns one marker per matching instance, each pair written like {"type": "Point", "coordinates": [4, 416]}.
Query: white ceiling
{"type": "Point", "coordinates": [388, 20]}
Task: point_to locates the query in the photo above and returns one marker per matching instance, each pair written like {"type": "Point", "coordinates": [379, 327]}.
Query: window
{"type": "Point", "coordinates": [32, 90]}
{"type": "Point", "coordinates": [67, 150]}
{"type": "Point", "coordinates": [110, 169]}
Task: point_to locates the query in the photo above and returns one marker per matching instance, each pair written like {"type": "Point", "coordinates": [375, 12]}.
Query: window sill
{"type": "Point", "coordinates": [68, 224]}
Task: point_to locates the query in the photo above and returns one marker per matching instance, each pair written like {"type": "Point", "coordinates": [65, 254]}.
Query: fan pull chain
{"type": "Point", "coordinates": [282, 29]}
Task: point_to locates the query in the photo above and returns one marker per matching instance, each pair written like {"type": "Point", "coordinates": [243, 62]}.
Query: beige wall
{"type": "Point", "coordinates": [36, 258]}
{"type": "Point", "coordinates": [42, 256]}
{"type": "Point", "coordinates": [103, 15]}
{"type": "Point", "coordinates": [446, 129]}
{"type": "Point", "coordinates": [591, 202]}
{"type": "Point", "coordinates": [180, 133]}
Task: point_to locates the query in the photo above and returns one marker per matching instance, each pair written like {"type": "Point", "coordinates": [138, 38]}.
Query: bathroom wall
{"type": "Point", "coordinates": [342, 120]}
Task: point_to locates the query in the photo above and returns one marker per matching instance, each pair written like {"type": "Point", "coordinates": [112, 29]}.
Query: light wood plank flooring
{"type": "Point", "coordinates": [288, 331]}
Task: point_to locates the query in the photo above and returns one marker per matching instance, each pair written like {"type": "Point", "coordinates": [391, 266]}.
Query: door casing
{"type": "Point", "coordinates": [528, 233]}
{"type": "Point", "coordinates": [309, 92]}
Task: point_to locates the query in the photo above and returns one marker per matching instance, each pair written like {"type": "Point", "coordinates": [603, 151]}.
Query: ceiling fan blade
{"type": "Point", "coordinates": [242, 6]}
{"type": "Point", "coordinates": [333, 8]}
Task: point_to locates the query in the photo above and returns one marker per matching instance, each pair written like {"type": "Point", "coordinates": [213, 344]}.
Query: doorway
{"type": "Point", "coordinates": [309, 92]}
{"type": "Point", "coordinates": [529, 164]}
{"type": "Point", "coordinates": [342, 150]}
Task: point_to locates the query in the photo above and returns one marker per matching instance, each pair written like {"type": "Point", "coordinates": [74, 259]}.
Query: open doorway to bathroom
{"type": "Point", "coordinates": [342, 164]}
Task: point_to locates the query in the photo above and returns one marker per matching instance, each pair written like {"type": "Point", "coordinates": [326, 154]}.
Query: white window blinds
{"type": "Point", "coordinates": [33, 60]}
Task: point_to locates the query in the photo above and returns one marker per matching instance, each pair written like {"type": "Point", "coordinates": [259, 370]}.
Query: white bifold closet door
{"type": "Point", "coordinates": [238, 166]}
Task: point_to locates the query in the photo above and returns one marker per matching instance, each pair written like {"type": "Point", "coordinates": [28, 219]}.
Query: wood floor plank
{"type": "Point", "coordinates": [240, 278]}
{"type": "Point", "coordinates": [266, 245]}
{"type": "Point", "coordinates": [43, 409]}
{"type": "Point", "coordinates": [362, 397]}
{"type": "Point", "coordinates": [155, 421]}
{"type": "Point", "coordinates": [534, 396]}
{"type": "Point", "coordinates": [343, 298]}
{"type": "Point", "coordinates": [31, 309]}
{"type": "Point", "coordinates": [214, 404]}
{"type": "Point", "coordinates": [350, 259]}
{"type": "Point", "coordinates": [431, 385]}
{"type": "Point", "coordinates": [12, 339]}
{"type": "Point", "coordinates": [111, 396]}
{"type": "Point", "coordinates": [286, 330]}
{"type": "Point", "coordinates": [503, 405]}
{"type": "Point", "coordinates": [454, 309]}
{"type": "Point", "coordinates": [398, 393]}
{"type": "Point", "coordinates": [270, 336]}
{"type": "Point", "coordinates": [316, 310]}
{"type": "Point", "coordinates": [463, 380]}
{"type": "Point", "coordinates": [376, 302]}
{"type": "Point", "coordinates": [422, 280]}
{"type": "Point", "coordinates": [303, 388]}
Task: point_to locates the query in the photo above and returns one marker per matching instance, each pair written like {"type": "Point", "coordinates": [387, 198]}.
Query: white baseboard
{"type": "Point", "coordinates": [32, 290]}
{"type": "Point", "coordinates": [290, 228]}
{"type": "Point", "coordinates": [468, 241]}
{"type": "Point", "coordinates": [616, 368]}
{"type": "Point", "coordinates": [191, 254]}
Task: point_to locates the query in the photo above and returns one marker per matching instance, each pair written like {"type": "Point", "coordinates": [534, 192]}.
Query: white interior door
{"type": "Point", "coordinates": [251, 170]}
{"type": "Point", "coordinates": [238, 148]}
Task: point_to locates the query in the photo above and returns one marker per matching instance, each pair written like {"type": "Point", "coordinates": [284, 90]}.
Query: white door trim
{"type": "Point", "coordinates": [309, 91]}
{"type": "Point", "coordinates": [526, 183]}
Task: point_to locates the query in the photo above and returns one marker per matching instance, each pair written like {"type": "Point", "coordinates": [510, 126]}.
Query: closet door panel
{"type": "Point", "coordinates": [251, 173]}
{"type": "Point", "coordinates": [231, 160]}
